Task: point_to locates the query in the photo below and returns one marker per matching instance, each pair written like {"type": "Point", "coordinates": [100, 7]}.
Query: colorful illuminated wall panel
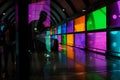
{"type": "Point", "coordinates": [59, 29]}
{"type": "Point", "coordinates": [53, 32]}
{"type": "Point", "coordinates": [114, 15]}
{"type": "Point", "coordinates": [59, 39]}
{"type": "Point", "coordinates": [114, 42]}
{"type": "Point", "coordinates": [36, 8]}
{"type": "Point", "coordinates": [97, 41]}
{"type": "Point", "coordinates": [70, 26]}
{"type": "Point", "coordinates": [63, 28]}
{"type": "Point", "coordinates": [97, 19]}
{"type": "Point", "coordinates": [80, 24]}
{"type": "Point", "coordinates": [64, 39]}
{"type": "Point", "coordinates": [80, 40]}
{"type": "Point", "coordinates": [70, 39]}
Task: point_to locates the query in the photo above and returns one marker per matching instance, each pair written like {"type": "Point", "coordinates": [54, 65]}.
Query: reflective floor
{"type": "Point", "coordinates": [74, 64]}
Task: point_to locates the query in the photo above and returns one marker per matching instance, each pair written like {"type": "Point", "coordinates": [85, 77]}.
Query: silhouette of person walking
{"type": "Point", "coordinates": [37, 39]}
{"type": "Point", "coordinates": [37, 33]}
{"type": "Point", "coordinates": [9, 45]}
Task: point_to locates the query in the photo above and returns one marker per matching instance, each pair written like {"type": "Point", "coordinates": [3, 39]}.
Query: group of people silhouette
{"type": "Point", "coordinates": [8, 39]}
{"type": "Point", "coordinates": [7, 45]}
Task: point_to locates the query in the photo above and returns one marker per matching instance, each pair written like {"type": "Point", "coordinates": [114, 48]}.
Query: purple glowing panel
{"type": "Point", "coordinates": [36, 8]}
{"type": "Point", "coordinates": [70, 26]}
{"type": "Point", "coordinates": [59, 39]}
{"type": "Point", "coordinates": [114, 15]}
{"type": "Point", "coordinates": [97, 41]}
{"type": "Point", "coordinates": [80, 40]}
{"type": "Point", "coordinates": [80, 56]}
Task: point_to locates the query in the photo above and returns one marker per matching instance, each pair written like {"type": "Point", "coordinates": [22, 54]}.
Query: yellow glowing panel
{"type": "Point", "coordinates": [70, 39]}
{"type": "Point", "coordinates": [70, 52]}
{"type": "Point", "coordinates": [80, 24]}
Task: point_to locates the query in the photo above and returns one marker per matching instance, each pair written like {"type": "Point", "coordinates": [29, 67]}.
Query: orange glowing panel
{"type": "Point", "coordinates": [50, 31]}
{"type": "Point", "coordinates": [70, 39]}
{"type": "Point", "coordinates": [80, 24]}
{"type": "Point", "coordinates": [70, 52]}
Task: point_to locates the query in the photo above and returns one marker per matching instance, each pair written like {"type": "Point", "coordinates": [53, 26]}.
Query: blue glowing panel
{"type": "Point", "coordinates": [80, 40]}
{"type": "Point", "coordinates": [114, 15]}
{"type": "Point", "coordinates": [64, 28]}
{"type": "Point", "coordinates": [70, 26]}
{"type": "Point", "coordinates": [59, 29]}
{"type": "Point", "coordinates": [55, 36]}
{"type": "Point", "coordinates": [47, 33]}
{"type": "Point", "coordinates": [115, 42]}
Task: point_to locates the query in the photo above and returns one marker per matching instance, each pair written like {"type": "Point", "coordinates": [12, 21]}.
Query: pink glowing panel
{"type": "Point", "coordinates": [59, 39]}
{"type": "Point", "coordinates": [97, 41]}
{"type": "Point", "coordinates": [36, 8]}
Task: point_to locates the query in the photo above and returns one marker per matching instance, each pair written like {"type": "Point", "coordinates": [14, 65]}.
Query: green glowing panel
{"type": "Point", "coordinates": [64, 39]}
{"type": "Point", "coordinates": [52, 31]}
{"type": "Point", "coordinates": [97, 19]}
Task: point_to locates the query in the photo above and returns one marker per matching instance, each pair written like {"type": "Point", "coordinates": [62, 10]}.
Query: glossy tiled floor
{"type": "Point", "coordinates": [74, 64]}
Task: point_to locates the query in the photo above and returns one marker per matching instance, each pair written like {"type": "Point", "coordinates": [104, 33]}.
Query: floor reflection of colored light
{"type": "Point", "coordinates": [80, 69]}
{"type": "Point", "coordinates": [100, 62]}
{"type": "Point", "coordinates": [70, 52]}
{"type": "Point", "coordinates": [70, 39]}
{"type": "Point", "coordinates": [80, 56]}
{"type": "Point", "coordinates": [64, 60]}
{"type": "Point", "coordinates": [114, 67]}
{"type": "Point", "coordinates": [94, 76]}
{"type": "Point", "coordinates": [70, 64]}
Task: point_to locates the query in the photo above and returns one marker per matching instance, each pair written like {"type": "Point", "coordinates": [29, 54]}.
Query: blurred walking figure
{"type": "Point", "coordinates": [9, 44]}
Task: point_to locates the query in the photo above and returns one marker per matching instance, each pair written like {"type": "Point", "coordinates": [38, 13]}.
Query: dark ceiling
{"type": "Point", "coordinates": [61, 10]}
{"type": "Point", "coordinates": [7, 10]}
{"type": "Point", "coordinates": [73, 8]}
